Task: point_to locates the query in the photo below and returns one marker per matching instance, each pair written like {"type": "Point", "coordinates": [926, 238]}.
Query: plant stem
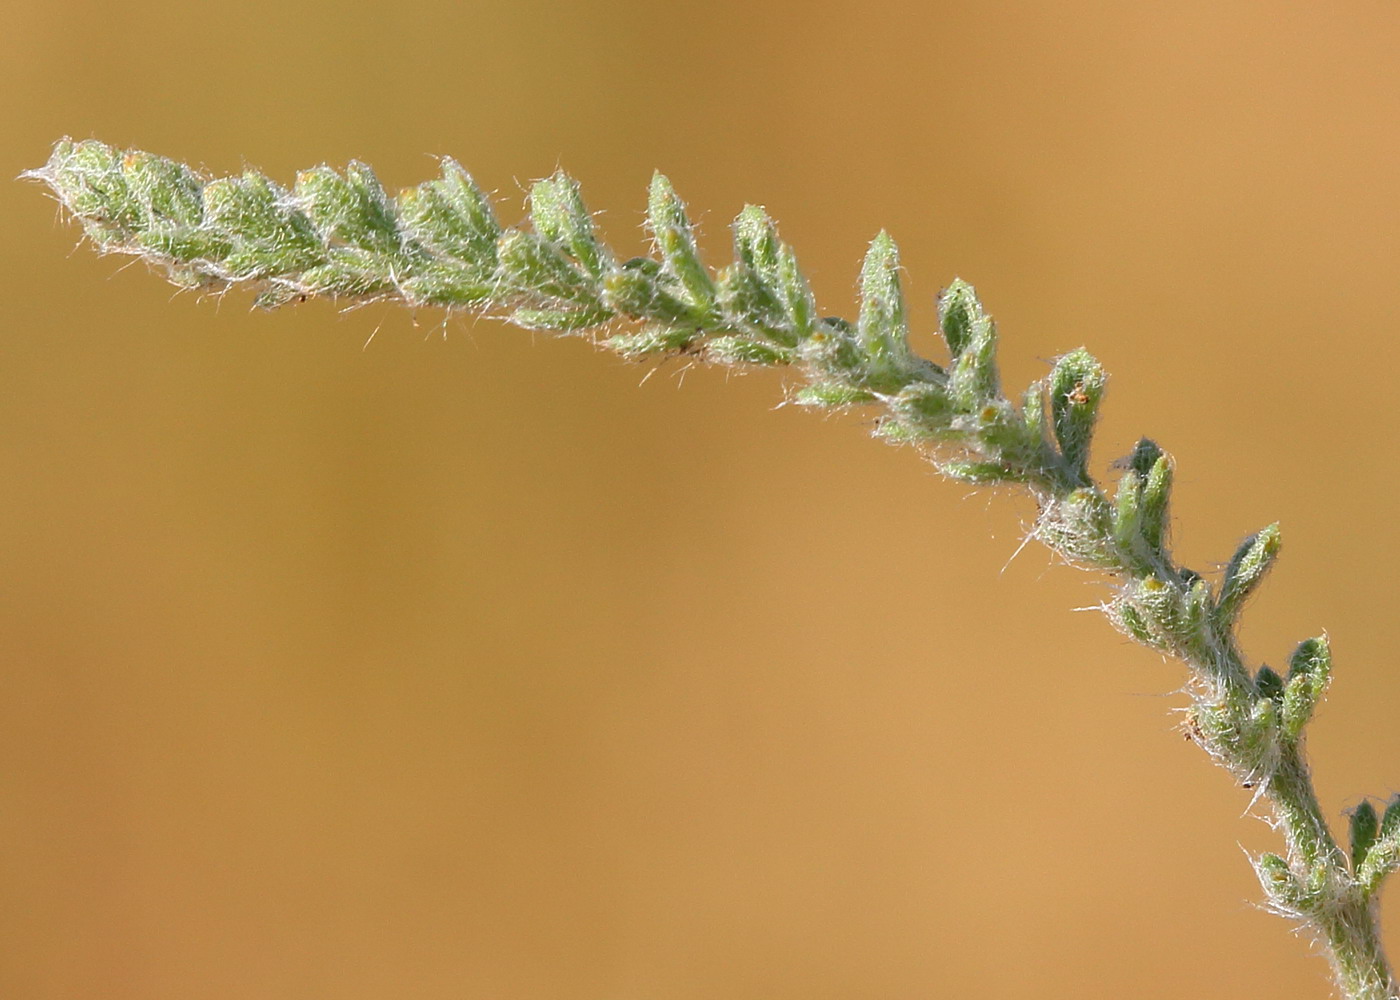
{"type": "Point", "coordinates": [1346, 919]}
{"type": "Point", "coordinates": [1358, 960]}
{"type": "Point", "coordinates": [341, 235]}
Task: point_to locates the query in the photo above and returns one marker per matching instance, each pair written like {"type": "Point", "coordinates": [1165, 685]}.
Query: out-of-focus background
{"type": "Point", "coordinates": [359, 656]}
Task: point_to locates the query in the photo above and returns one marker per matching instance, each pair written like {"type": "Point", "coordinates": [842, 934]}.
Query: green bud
{"type": "Point", "coordinates": [675, 242]}
{"type": "Point", "coordinates": [1312, 658]}
{"type": "Point", "coordinates": [351, 209]}
{"type": "Point", "coordinates": [1309, 670]}
{"type": "Point", "coordinates": [533, 266]}
{"type": "Point", "coordinates": [1145, 455]}
{"type": "Point", "coordinates": [1260, 735]}
{"type": "Point", "coordinates": [750, 305]}
{"type": "Point", "coordinates": [1076, 388]}
{"type": "Point", "coordinates": [1127, 520]}
{"type": "Point", "coordinates": [1247, 741]}
{"type": "Point", "coordinates": [1383, 855]}
{"type": "Point", "coordinates": [1033, 411]}
{"type": "Point", "coordinates": [974, 380]}
{"type": "Point", "coordinates": [756, 241]}
{"type": "Point", "coordinates": [269, 237]}
{"type": "Point", "coordinates": [883, 327]}
{"type": "Point", "coordinates": [1131, 621]}
{"type": "Point", "coordinates": [530, 264]}
{"type": "Point", "coordinates": [1002, 433]}
{"type": "Point", "coordinates": [1199, 607]}
{"type": "Point", "coordinates": [1268, 684]}
{"type": "Point", "coordinates": [1365, 824]}
{"type": "Point", "coordinates": [796, 294]}
{"type": "Point", "coordinates": [1390, 822]}
{"type": "Point", "coordinates": [923, 407]}
{"type": "Point", "coordinates": [168, 191]}
{"type": "Point", "coordinates": [88, 176]}
{"type": "Point", "coordinates": [1141, 506]}
{"type": "Point", "coordinates": [1156, 497]}
{"type": "Point", "coordinates": [1077, 527]}
{"type": "Point", "coordinates": [635, 290]}
{"type": "Point", "coordinates": [750, 290]}
{"type": "Point", "coordinates": [1163, 608]}
{"type": "Point", "coordinates": [1247, 569]}
{"type": "Point", "coordinates": [959, 315]}
{"type": "Point", "coordinates": [451, 217]}
{"type": "Point", "coordinates": [1382, 859]}
{"type": "Point", "coordinates": [1279, 883]}
{"type": "Point", "coordinates": [834, 350]}
{"type": "Point", "coordinates": [558, 214]}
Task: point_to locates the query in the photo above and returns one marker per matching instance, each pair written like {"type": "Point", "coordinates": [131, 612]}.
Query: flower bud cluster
{"type": "Point", "coordinates": [339, 234]}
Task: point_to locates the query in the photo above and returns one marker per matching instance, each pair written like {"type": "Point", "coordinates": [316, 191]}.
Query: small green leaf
{"type": "Point", "coordinates": [883, 327]}
{"type": "Point", "coordinates": [651, 340]}
{"type": "Point", "coordinates": [635, 290]}
{"type": "Point", "coordinates": [1156, 502]}
{"type": "Point", "coordinates": [446, 282]}
{"type": "Point", "coordinates": [167, 191]}
{"type": "Point", "coordinates": [1364, 827]}
{"type": "Point", "coordinates": [183, 244]}
{"type": "Point", "coordinates": [559, 215]}
{"type": "Point", "coordinates": [1268, 684]}
{"type": "Point", "coordinates": [974, 380]}
{"type": "Point", "coordinates": [924, 408]}
{"type": "Point", "coordinates": [269, 237]}
{"type": "Point", "coordinates": [675, 242]}
{"type": "Point", "coordinates": [981, 473]}
{"type": "Point", "coordinates": [834, 351]}
{"type": "Point", "coordinates": [1309, 670]}
{"type": "Point", "coordinates": [1390, 822]}
{"type": "Point", "coordinates": [530, 264]}
{"type": "Point", "coordinates": [1132, 622]}
{"type": "Point", "coordinates": [750, 290]}
{"type": "Point", "coordinates": [350, 272]}
{"type": "Point", "coordinates": [1250, 564]}
{"type": "Point", "coordinates": [1076, 389]}
{"type": "Point", "coordinates": [1163, 607]}
{"type": "Point", "coordinates": [351, 209]}
{"type": "Point", "coordinates": [564, 319]}
{"type": "Point", "coordinates": [1279, 883]}
{"type": "Point", "coordinates": [959, 315]}
{"type": "Point", "coordinates": [831, 394]}
{"type": "Point", "coordinates": [1127, 520]}
{"type": "Point", "coordinates": [737, 350]}
{"type": "Point", "coordinates": [88, 176]}
{"type": "Point", "coordinates": [1145, 455]}
{"type": "Point", "coordinates": [1079, 527]}
{"type": "Point", "coordinates": [1033, 411]}
{"type": "Point", "coordinates": [451, 217]}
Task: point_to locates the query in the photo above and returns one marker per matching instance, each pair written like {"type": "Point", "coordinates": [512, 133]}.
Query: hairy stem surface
{"type": "Point", "coordinates": [339, 234]}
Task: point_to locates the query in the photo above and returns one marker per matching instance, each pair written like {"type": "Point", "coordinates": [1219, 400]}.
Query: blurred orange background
{"type": "Point", "coordinates": [346, 659]}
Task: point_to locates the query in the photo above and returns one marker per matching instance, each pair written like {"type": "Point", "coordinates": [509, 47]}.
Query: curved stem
{"type": "Point", "coordinates": [341, 235]}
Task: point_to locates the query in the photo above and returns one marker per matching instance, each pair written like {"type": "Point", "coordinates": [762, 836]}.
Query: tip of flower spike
{"type": "Point", "coordinates": [661, 186]}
